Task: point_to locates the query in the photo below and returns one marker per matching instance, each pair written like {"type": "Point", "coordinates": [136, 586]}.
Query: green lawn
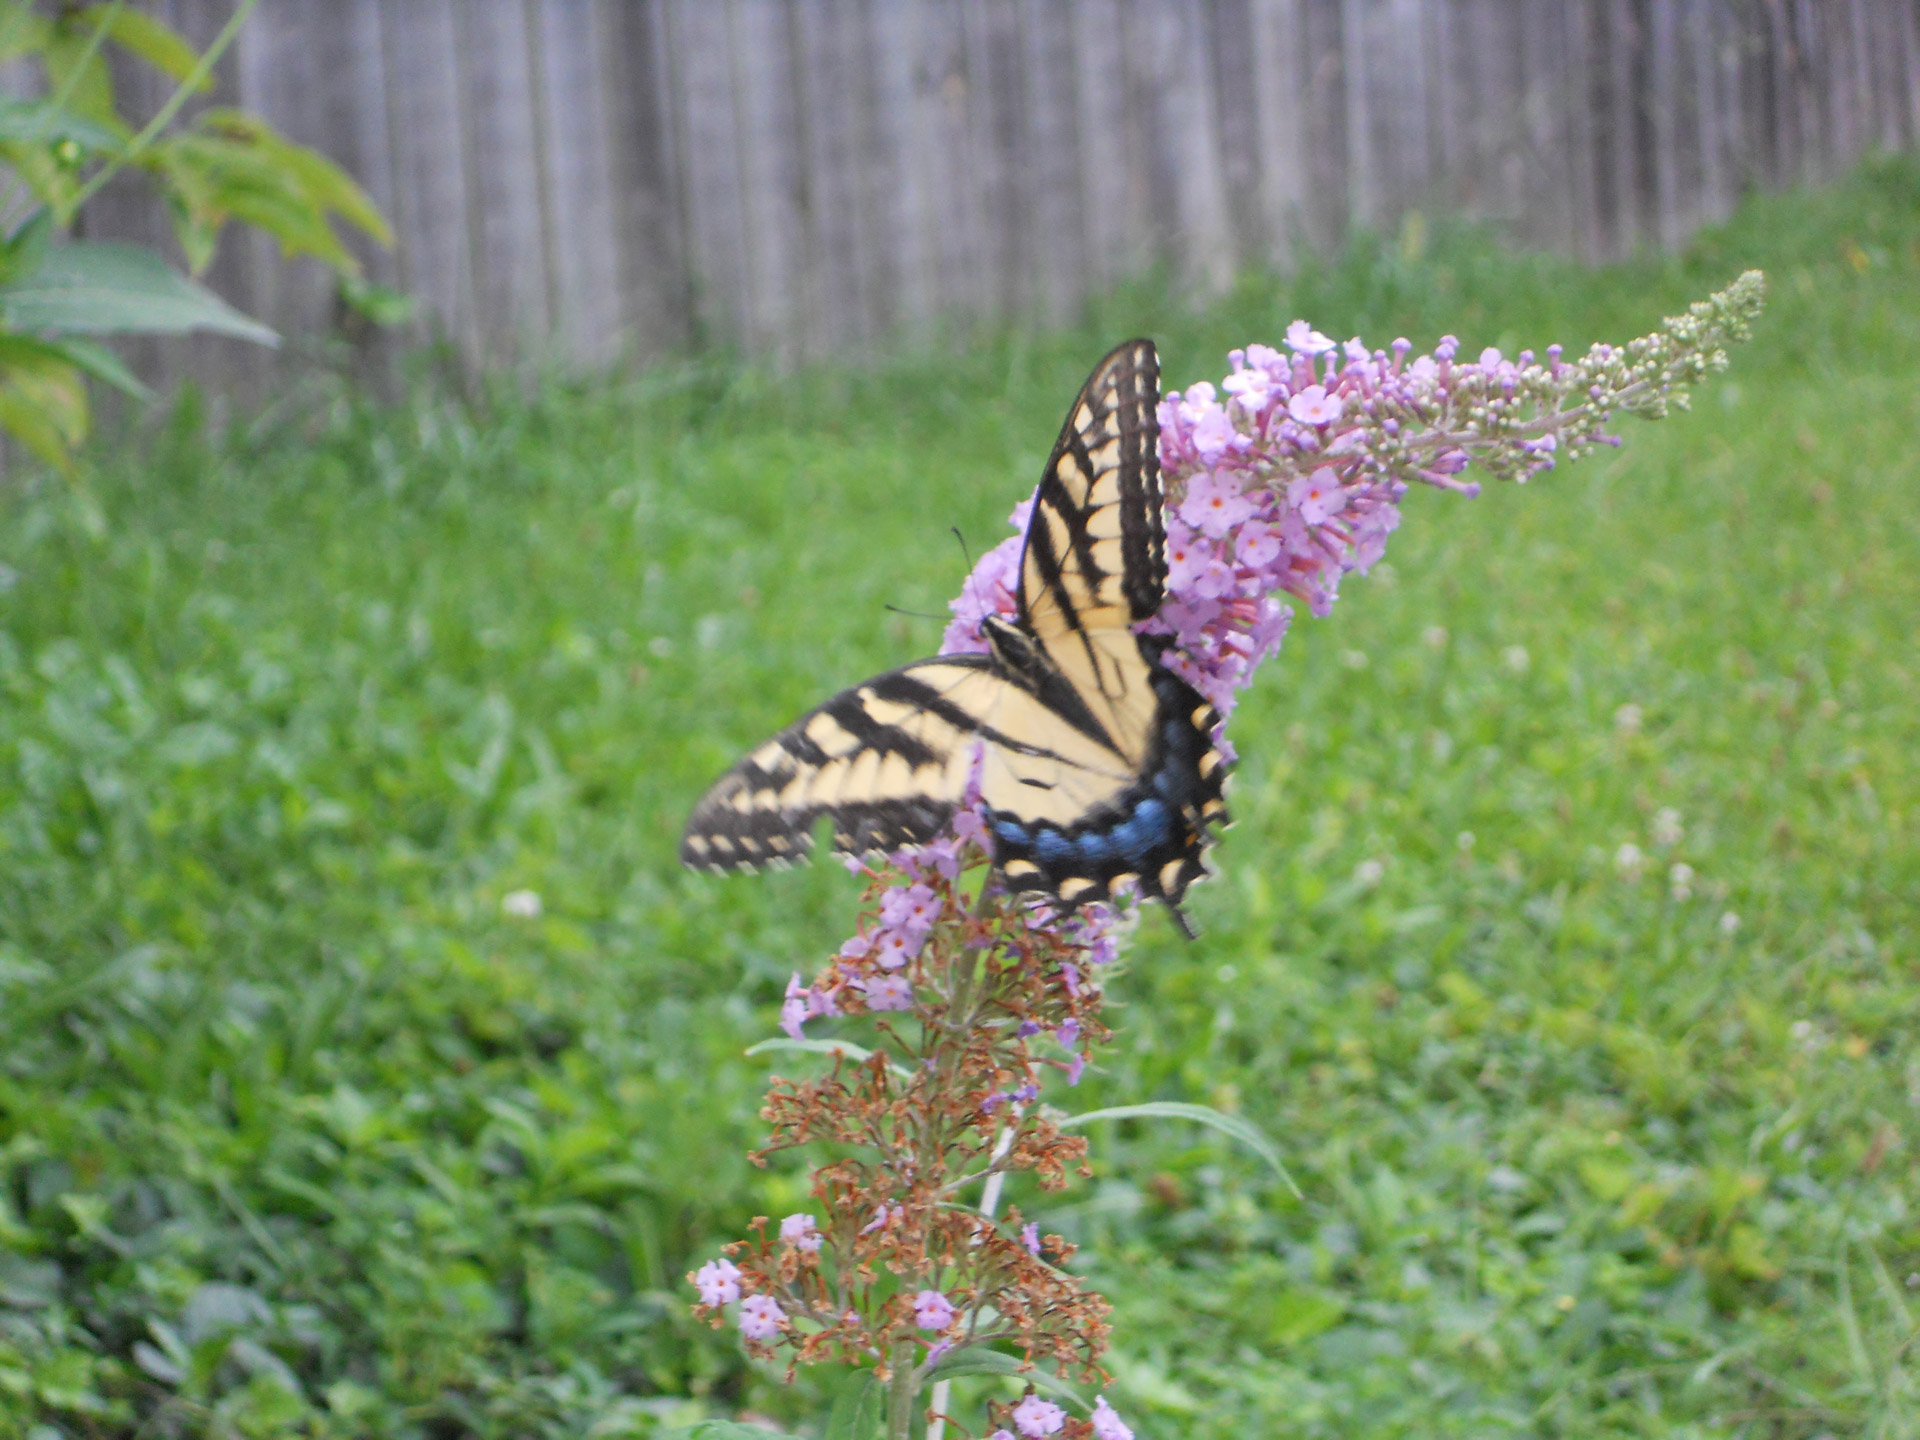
{"type": "Point", "coordinates": [300, 1128]}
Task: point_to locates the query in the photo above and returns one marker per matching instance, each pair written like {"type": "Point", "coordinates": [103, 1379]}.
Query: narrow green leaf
{"type": "Point", "coordinates": [847, 1048]}
{"type": "Point", "coordinates": [992, 1362]}
{"type": "Point", "coordinates": [721, 1430]}
{"type": "Point", "coordinates": [102, 288]}
{"type": "Point", "coordinates": [1244, 1131]}
{"type": "Point", "coordinates": [155, 42]}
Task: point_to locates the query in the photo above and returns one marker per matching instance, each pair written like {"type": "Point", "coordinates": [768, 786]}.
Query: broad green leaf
{"type": "Point", "coordinates": [152, 40]}
{"type": "Point", "coordinates": [1244, 1131]}
{"type": "Point", "coordinates": [992, 1362]}
{"type": "Point", "coordinates": [103, 288]}
{"type": "Point", "coordinates": [103, 365]}
{"type": "Point", "coordinates": [26, 247]}
{"type": "Point", "coordinates": [43, 400]}
{"type": "Point", "coordinates": [39, 122]}
{"type": "Point", "coordinates": [326, 185]}
{"type": "Point", "coordinates": [858, 1413]}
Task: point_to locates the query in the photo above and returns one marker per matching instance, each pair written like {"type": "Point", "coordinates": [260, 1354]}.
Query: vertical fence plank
{"type": "Point", "coordinates": [709, 151]}
{"type": "Point", "coordinates": [597, 177]}
{"type": "Point", "coordinates": [430, 179]}
{"type": "Point", "coordinates": [512, 259]}
{"type": "Point", "coordinates": [783, 182]}
{"type": "Point", "coordinates": [648, 216]}
{"type": "Point", "coordinates": [1054, 206]}
{"type": "Point", "coordinates": [584, 290]}
{"type": "Point", "coordinates": [904, 187]}
{"type": "Point", "coordinates": [1280, 65]}
{"type": "Point", "coordinates": [1118, 242]}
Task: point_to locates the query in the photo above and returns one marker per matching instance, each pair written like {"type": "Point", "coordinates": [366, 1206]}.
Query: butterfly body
{"type": "Point", "coordinates": [1095, 763]}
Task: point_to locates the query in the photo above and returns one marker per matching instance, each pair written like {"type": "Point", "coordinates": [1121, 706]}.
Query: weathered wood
{"type": "Point", "coordinates": [513, 239]}
{"type": "Point", "coordinates": [598, 179]}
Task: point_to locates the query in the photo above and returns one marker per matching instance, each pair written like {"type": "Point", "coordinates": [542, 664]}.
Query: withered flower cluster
{"type": "Point", "coordinates": [976, 998]}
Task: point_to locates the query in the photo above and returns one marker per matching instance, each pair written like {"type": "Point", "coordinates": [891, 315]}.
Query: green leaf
{"type": "Point", "coordinates": [103, 365]}
{"type": "Point", "coordinates": [153, 41]}
{"type": "Point", "coordinates": [992, 1362]}
{"type": "Point", "coordinates": [39, 122]}
{"type": "Point", "coordinates": [814, 1047]}
{"type": "Point", "coordinates": [376, 303]}
{"type": "Point", "coordinates": [43, 400]}
{"type": "Point", "coordinates": [1244, 1131]}
{"type": "Point", "coordinates": [102, 288]}
{"type": "Point", "coordinates": [847, 1048]}
{"type": "Point", "coordinates": [26, 247]}
{"type": "Point", "coordinates": [858, 1413]}
{"type": "Point", "coordinates": [722, 1430]}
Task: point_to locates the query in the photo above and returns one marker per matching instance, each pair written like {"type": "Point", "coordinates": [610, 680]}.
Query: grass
{"type": "Point", "coordinates": [301, 1132]}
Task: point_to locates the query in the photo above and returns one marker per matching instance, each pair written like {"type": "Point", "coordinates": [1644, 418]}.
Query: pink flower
{"type": "Point", "coordinates": [1187, 557]}
{"type": "Point", "coordinates": [799, 1232]}
{"type": "Point", "coordinates": [1215, 505]}
{"type": "Point", "coordinates": [989, 590]}
{"type": "Point", "coordinates": [1249, 387]}
{"type": "Point", "coordinates": [1215, 581]}
{"type": "Point", "coordinates": [1036, 1417]}
{"type": "Point", "coordinates": [1255, 545]}
{"type": "Point", "coordinates": [909, 907]}
{"type": "Point", "coordinates": [894, 948]}
{"type": "Point", "coordinates": [1317, 496]}
{"type": "Point", "coordinates": [889, 992]}
{"type": "Point", "coordinates": [1314, 406]}
{"type": "Point", "coordinates": [1303, 339]}
{"type": "Point", "coordinates": [1212, 434]}
{"type": "Point", "coordinates": [718, 1282]}
{"type": "Point", "coordinates": [761, 1317]}
{"type": "Point", "coordinates": [932, 1310]}
{"type": "Point", "coordinates": [794, 1010]}
{"type": "Point", "coordinates": [1106, 1424]}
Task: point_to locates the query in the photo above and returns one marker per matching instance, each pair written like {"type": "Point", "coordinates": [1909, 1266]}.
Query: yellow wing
{"type": "Point", "coordinates": [887, 761]}
{"type": "Point", "coordinates": [1095, 559]}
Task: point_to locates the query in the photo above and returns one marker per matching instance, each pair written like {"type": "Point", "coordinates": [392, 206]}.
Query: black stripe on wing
{"type": "Point", "coordinates": [1111, 432]}
{"type": "Point", "coordinates": [1152, 837]}
{"type": "Point", "coordinates": [875, 760]}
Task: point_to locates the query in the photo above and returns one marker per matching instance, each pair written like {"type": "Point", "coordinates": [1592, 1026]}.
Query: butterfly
{"type": "Point", "coordinates": [1096, 766]}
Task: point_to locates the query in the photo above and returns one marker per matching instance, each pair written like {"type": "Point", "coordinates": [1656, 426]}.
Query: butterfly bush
{"type": "Point", "coordinates": [1281, 480]}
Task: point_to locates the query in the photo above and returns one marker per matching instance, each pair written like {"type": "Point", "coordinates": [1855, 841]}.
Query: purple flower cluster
{"type": "Point", "coordinates": [1290, 473]}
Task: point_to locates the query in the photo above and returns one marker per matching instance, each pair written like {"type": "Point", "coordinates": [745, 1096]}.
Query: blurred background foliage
{"type": "Point", "coordinates": [64, 139]}
{"type": "Point", "coordinates": [1566, 940]}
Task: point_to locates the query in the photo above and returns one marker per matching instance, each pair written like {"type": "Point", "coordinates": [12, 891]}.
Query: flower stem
{"type": "Point", "coordinates": [902, 1392]}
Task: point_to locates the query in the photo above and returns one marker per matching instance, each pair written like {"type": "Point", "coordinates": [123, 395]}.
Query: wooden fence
{"type": "Point", "coordinates": [619, 179]}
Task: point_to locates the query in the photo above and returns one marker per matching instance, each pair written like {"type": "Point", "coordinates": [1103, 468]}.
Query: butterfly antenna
{"type": "Point", "coordinates": [964, 550]}
{"type": "Point", "coordinates": [918, 614]}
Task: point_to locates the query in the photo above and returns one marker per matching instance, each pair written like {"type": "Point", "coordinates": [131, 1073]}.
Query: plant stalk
{"type": "Point", "coordinates": [903, 1390]}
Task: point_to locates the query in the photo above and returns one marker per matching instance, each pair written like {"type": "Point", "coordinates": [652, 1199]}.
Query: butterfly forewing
{"type": "Point", "coordinates": [1095, 559]}
{"type": "Point", "coordinates": [886, 760]}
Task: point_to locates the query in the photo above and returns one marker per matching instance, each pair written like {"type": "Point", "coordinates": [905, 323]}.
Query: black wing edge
{"type": "Point", "coordinates": [1127, 380]}
{"type": "Point", "coordinates": [721, 837]}
{"type": "Point", "coordinates": [1188, 772]}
